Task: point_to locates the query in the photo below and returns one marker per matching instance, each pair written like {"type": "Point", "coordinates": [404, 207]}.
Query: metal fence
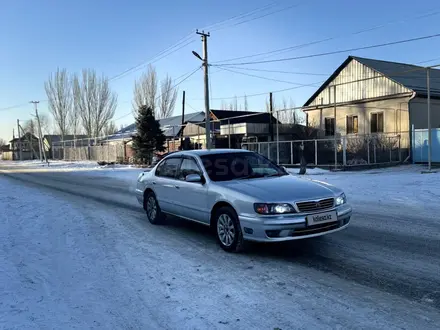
{"type": "Point", "coordinates": [343, 151]}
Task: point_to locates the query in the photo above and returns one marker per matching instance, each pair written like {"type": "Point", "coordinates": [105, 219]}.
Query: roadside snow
{"type": "Point", "coordinates": [57, 165]}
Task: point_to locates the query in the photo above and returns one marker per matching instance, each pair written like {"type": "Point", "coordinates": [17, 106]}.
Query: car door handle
{"type": "Point", "coordinates": [153, 182]}
{"type": "Point", "coordinates": [177, 187]}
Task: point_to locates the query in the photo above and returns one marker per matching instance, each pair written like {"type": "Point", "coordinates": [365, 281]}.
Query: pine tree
{"type": "Point", "coordinates": [149, 136]}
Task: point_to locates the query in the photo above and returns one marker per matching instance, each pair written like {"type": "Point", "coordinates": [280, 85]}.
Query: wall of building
{"type": "Point", "coordinates": [395, 111]}
{"type": "Point", "coordinates": [191, 130]}
{"type": "Point", "coordinates": [419, 113]}
{"type": "Point", "coordinates": [358, 82]}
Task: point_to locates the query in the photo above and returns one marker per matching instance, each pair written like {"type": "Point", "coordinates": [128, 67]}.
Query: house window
{"type": "Point", "coordinates": [352, 124]}
{"type": "Point", "coordinates": [329, 126]}
{"type": "Point", "coordinates": [376, 122]}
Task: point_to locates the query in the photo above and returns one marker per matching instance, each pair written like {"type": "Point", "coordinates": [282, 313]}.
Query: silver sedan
{"type": "Point", "coordinates": [242, 195]}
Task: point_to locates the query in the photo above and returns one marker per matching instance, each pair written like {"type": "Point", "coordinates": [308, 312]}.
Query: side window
{"type": "Point", "coordinates": [189, 166]}
{"type": "Point", "coordinates": [159, 169]}
{"type": "Point", "coordinates": [168, 168]}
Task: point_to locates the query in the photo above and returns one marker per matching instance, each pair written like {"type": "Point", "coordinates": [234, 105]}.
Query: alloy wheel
{"type": "Point", "coordinates": [225, 229]}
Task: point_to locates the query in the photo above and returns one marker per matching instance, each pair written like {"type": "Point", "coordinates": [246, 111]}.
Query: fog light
{"type": "Point", "coordinates": [248, 230]}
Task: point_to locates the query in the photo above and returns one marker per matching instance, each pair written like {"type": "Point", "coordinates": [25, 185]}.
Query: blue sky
{"type": "Point", "coordinates": [113, 36]}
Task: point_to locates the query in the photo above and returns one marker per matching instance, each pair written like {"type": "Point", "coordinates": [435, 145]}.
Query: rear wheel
{"type": "Point", "coordinates": [151, 206]}
{"type": "Point", "coordinates": [228, 230]}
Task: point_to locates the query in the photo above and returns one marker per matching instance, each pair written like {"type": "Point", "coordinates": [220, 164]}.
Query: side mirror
{"type": "Point", "coordinates": [193, 178]}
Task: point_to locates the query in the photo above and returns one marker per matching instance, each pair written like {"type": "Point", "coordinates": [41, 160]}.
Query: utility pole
{"type": "Point", "coordinates": [20, 151]}
{"type": "Point", "coordinates": [334, 128]}
{"type": "Point", "coordinates": [40, 135]}
{"type": "Point", "coordinates": [35, 103]}
{"type": "Point", "coordinates": [183, 120]}
{"type": "Point", "coordinates": [207, 108]}
{"type": "Point", "coordinates": [428, 87]}
{"type": "Point", "coordinates": [270, 117]}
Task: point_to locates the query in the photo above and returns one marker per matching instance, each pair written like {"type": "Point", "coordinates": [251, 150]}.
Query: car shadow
{"type": "Point", "coordinates": [291, 250]}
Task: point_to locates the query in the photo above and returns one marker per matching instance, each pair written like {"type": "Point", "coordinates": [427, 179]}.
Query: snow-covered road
{"type": "Point", "coordinates": [76, 251]}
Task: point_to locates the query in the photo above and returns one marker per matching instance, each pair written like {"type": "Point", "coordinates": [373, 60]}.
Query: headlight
{"type": "Point", "coordinates": [262, 208]}
{"type": "Point", "coordinates": [341, 199]}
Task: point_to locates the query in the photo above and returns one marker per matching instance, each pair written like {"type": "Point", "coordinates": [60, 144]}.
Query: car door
{"type": "Point", "coordinates": [165, 184]}
{"type": "Point", "coordinates": [193, 196]}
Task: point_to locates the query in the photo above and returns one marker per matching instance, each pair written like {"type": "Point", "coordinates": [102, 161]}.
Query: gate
{"type": "Point", "coordinates": [420, 145]}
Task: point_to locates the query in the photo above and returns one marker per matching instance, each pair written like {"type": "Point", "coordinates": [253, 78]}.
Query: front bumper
{"type": "Point", "coordinates": [291, 227]}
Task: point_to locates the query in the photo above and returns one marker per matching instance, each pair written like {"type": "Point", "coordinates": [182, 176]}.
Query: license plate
{"type": "Point", "coordinates": [316, 219]}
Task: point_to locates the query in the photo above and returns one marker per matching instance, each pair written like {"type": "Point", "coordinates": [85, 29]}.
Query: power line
{"type": "Point", "coordinates": [14, 107]}
{"type": "Point", "coordinates": [19, 106]}
{"type": "Point", "coordinates": [387, 74]}
{"type": "Point", "coordinates": [239, 16]}
{"type": "Point", "coordinates": [283, 50]}
{"type": "Point", "coordinates": [192, 107]}
{"type": "Point", "coordinates": [258, 17]}
{"type": "Point", "coordinates": [427, 61]}
{"type": "Point", "coordinates": [266, 93]}
{"type": "Point", "coordinates": [338, 51]}
{"type": "Point", "coordinates": [274, 71]}
{"type": "Point", "coordinates": [261, 77]}
{"type": "Point", "coordinates": [170, 89]}
{"type": "Point", "coordinates": [154, 59]}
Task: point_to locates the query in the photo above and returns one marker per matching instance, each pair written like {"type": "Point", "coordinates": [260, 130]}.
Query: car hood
{"type": "Point", "coordinates": [282, 189]}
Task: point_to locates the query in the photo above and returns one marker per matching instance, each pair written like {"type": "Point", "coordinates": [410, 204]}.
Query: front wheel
{"type": "Point", "coordinates": [151, 206]}
{"type": "Point", "coordinates": [229, 234]}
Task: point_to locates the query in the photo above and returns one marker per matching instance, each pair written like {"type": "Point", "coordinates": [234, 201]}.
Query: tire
{"type": "Point", "coordinates": [228, 230]}
{"type": "Point", "coordinates": [154, 216]}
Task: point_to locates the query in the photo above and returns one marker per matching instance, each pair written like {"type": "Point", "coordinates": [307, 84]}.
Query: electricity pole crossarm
{"type": "Point", "coordinates": [206, 83]}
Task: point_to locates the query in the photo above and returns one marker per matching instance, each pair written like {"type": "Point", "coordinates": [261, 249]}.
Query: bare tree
{"type": "Point", "coordinates": [167, 99]}
{"type": "Point", "coordinates": [75, 115]}
{"type": "Point", "coordinates": [235, 104]}
{"type": "Point", "coordinates": [44, 123]}
{"type": "Point", "coordinates": [223, 105]}
{"type": "Point", "coordinates": [3, 142]}
{"type": "Point", "coordinates": [30, 127]}
{"type": "Point", "coordinates": [288, 115]}
{"type": "Point", "coordinates": [95, 101]}
{"type": "Point", "coordinates": [110, 129]}
{"type": "Point", "coordinates": [59, 93]}
{"type": "Point", "coordinates": [246, 105]}
{"type": "Point", "coordinates": [145, 90]}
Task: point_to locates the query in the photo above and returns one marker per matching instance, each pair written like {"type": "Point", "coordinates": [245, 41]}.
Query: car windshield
{"type": "Point", "coordinates": [239, 166]}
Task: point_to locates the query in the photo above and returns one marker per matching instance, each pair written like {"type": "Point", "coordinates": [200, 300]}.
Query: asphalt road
{"type": "Point", "coordinates": [387, 260]}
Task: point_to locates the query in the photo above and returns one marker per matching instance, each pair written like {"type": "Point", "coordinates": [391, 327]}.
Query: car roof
{"type": "Point", "coordinates": [204, 152]}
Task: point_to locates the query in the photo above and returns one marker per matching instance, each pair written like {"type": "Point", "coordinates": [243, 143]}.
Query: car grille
{"type": "Point", "coordinates": [311, 206]}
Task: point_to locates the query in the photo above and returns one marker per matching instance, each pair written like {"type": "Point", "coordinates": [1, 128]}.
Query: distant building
{"type": "Point", "coordinates": [227, 128]}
